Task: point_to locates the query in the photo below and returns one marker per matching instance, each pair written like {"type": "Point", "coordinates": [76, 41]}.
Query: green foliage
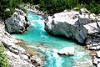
{"type": "Point", "coordinates": [54, 6]}
{"type": "Point", "coordinates": [8, 4]}
{"type": "Point", "coordinates": [94, 8]}
{"type": "Point", "coordinates": [3, 58]}
{"type": "Point", "coordinates": [11, 5]}
{"type": "Point", "coordinates": [3, 6]}
{"type": "Point", "coordinates": [31, 1]}
{"type": "Point", "coordinates": [49, 6]}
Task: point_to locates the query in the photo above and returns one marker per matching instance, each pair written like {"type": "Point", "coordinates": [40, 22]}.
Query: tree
{"type": "Point", "coordinates": [8, 4]}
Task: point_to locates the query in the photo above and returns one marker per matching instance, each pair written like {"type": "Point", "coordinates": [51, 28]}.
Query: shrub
{"type": "Point", "coordinates": [94, 8]}
{"type": "Point", "coordinates": [3, 58]}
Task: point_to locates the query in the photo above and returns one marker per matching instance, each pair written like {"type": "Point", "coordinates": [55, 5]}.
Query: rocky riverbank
{"type": "Point", "coordinates": [80, 26]}
{"type": "Point", "coordinates": [17, 56]}
{"type": "Point", "coordinates": [83, 27]}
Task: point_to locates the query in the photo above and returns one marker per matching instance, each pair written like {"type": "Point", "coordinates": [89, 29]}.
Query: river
{"type": "Point", "coordinates": [36, 35]}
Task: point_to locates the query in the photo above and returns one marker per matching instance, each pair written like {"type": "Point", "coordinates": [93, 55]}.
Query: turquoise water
{"type": "Point", "coordinates": [37, 35]}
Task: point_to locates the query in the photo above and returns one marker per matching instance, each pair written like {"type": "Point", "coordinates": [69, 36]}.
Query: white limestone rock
{"type": "Point", "coordinates": [92, 27]}
{"type": "Point", "coordinates": [67, 24]}
{"type": "Point", "coordinates": [17, 61]}
{"type": "Point", "coordinates": [67, 51]}
{"type": "Point", "coordinates": [17, 23]}
{"type": "Point", "coordinates": [98, 65]}
{"type": "Point", "coordinates": [98, 54]}
{"type": "Point", "coordinates": [84, 11]}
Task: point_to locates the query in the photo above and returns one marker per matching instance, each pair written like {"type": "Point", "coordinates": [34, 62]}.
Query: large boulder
{"type": "Point", "coordinates": [17, 23]}
{"type": "Point", "coordinates": [68, 24]}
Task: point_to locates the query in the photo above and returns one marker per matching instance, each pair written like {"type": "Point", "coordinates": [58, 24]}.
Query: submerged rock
{"type": "Point", "coordinates": [67, 51]}
{"type": "Point", "coordinates": [17, 23]}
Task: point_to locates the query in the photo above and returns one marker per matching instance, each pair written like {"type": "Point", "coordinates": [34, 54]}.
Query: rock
{"type": "Point", "coordinates": [17, 61]}
{"type": "Point", "coordinates": [22, 50]}
{"type": "Point", "coordinates": [66, 24]}
{"type": "Point", "coordinates": [95, 61]}
{"type": "Point", "coordinates": [98, 54]}
{"type": "Point", "coordinates": [67, 51]}
{"type": "Point", "coordinates": [74, 25]}
{"type": "Point", "coordinates": [92, 27]}
{"type": "Point", "coordinates": [24, 57]}
{"type": "Point", "coordinates": [36, 61]}
{"type": "Point", "coordinates": [83, 11]}
{"type": "Point", "coordinates": [92, 48]}
{"type": "Point", "coordinates": [17, 56]}
{"type": "Point", "coordinates": [14, 48]}
{"type": "Point", "coordinates": [17, 23]}
{"type": "Point", "coordinates": [98, 65]}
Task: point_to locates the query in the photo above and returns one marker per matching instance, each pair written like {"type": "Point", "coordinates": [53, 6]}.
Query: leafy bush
{"type": "Point", "coordinates": [94, 8]}
{"type": "Point", "coordinates": [3, 58]}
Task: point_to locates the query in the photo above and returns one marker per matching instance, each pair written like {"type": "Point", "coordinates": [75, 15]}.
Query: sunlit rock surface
{"type": "Point", "coordinates": [17, 56]}
{"type": "Point", "coordinates": [67, 24]}
{"type": "Point", "coordinates": [69, 51]}
{"type": "Point", "coordinates": [17, 23]}
{"type": "Point", "coordinates": [73, 24]}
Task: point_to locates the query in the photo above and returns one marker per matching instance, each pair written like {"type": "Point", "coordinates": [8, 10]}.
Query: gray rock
{"type": "Point", "coordinates": [17, 56]}
{"type": "Point", "coordinates": [17, 23]}
{"type": "Point", "coordinates": [24, 57]}
{"type": "Point", "coordinates": [36, 61]}
{"type": "Point", "coordinates": [98, 65]}
{"type": "Point", "coordinates": [98, 54]}
{"type": "Point", "coordinates": [95, 60]}
{"type": "Point", "coordinates": [17, 61]}
{"type": "Point", "coordinates": [84, 11]}
{"type": "Point", "coordinates": [92, 27]}
{"type": "Point", "coordinates": [66, 24]}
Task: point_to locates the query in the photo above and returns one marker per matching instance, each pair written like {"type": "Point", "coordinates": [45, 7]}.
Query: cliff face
{"type": "Point", "coordinates": [17, 23]}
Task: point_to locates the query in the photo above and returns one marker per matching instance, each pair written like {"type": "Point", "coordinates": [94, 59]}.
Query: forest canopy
{"type": "Point", "coordinates": [53, 6]}
{"type": "Point", "coordinates": [50, 6]}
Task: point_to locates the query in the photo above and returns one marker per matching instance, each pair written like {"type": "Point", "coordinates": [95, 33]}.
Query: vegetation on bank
{"type": "Point", "coordinates": [53, 6]}
{"type": "Point", "coordinates": [3, 57]}
{"type": "Point", "coordinates": [49, 6]}
{"type": "Point", "coordinates": [7, 6]}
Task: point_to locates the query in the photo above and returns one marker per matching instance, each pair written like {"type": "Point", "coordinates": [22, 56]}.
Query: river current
{"type": "Point", "coordinates": [36, 35]}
